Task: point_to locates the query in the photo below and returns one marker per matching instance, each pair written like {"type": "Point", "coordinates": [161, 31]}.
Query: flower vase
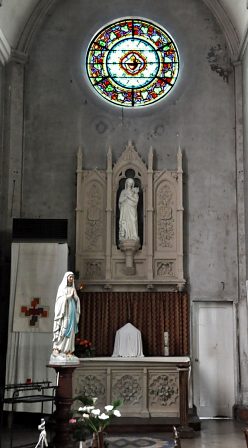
{"type": "Point", "coordinates": [100, 439]}
{"type": "Point", "coordinates": [94, 443]}
{"type": "Point", "coordinates": [97, 440]}
{"type": "Point", "coordinates": [82, 444]}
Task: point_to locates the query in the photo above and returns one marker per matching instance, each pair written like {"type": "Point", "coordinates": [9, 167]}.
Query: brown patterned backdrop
{"type": "Point", "coordinates": [103, 313]}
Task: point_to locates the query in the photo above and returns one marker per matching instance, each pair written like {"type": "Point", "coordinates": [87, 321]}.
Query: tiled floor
{"type": "Point", "coordinates": [217, 434]}
{"type": "Point", "coordinates": [214, 434]}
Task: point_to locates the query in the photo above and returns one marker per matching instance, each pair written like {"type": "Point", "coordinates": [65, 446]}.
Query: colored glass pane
{"type": "Point", "coordinates": [132, 63]}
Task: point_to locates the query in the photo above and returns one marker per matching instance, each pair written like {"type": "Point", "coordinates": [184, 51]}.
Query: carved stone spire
{"type": "Point", "coordinates": [79, 158]}
{"type": "Point", "coordinates": [150, 158]}
{"type": "Point", "coordinates": [109, 158]}
{"type": "Point", "coordinates": [179, 159]}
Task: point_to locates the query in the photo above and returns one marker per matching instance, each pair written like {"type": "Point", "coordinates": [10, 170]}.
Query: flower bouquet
{"type": "Point", "coordinates": [83, 348]}
{"type": "Point", "coordinates": [90, 419]}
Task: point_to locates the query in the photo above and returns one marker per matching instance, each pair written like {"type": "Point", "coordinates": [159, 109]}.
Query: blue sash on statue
{"type": "Point", "coordinates": [72, 325]}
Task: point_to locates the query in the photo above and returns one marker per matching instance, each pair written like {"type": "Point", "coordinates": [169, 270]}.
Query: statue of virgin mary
{"type": "Point", "coordinates": [66, 317]}
{"type": "Point", "coordinates": [128, 201]}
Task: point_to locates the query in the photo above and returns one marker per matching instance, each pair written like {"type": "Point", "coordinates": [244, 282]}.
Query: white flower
{"type": "Point", "coordinates": [103, 416]}
{"type": "Point", "coordinates": [95, 411]}
{"type": "Point", "coordinates": [86, 416]}
{"type": "Point", "coordinates": [94, 400]}
{"type": "Point", "coordinates": [117, 413]}
{"type": "Point", "coordinates": [109, 407]}
{"type": "Point", "coordinates": [82, 409]}
{"type": "Point", "coordinates": [89, 408]}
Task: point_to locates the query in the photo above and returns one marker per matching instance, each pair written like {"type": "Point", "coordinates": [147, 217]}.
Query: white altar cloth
{"type": "Point", "coordinates": [128, 342]}
{"type": "Point", "coordinates": [175, 360]}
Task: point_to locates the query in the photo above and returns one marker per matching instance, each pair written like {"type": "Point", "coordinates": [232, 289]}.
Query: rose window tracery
{"type": "Point", "coordinates": [132, 63]}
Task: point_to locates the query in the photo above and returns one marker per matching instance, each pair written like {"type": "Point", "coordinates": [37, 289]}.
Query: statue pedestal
{"type": "Point", "coordinates": [63, 402]}
{"type": "Point", "coordinates": [129, 247]}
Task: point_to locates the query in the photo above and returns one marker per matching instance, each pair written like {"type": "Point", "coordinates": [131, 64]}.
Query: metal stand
{"type": "Point", "coordinates": [37, 392]}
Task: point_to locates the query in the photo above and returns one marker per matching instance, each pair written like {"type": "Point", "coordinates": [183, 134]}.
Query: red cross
{"type": "Point", "coordinates": [34, 311]}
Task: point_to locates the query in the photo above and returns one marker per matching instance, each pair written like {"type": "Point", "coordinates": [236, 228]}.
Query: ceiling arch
{"type": "Point", "coordinates": [226, 25]}
{"type": "Point", "coordinates": [20, 21]}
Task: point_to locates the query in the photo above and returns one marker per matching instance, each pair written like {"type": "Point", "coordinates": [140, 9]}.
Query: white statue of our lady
{"type": "Point", "coordinates": [128, 201]}
{"type": "Point", "coordinates": [66, 317]}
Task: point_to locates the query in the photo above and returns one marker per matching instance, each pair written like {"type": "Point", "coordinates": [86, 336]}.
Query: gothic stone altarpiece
{"type": "Point", "coordinates": [158, 263]}
{"type": "Point", "coordinates": [148, 386]}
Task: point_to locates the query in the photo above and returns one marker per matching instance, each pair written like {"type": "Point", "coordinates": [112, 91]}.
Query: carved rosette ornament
{"type": "Point", "coordinates": [163, 390]}
{"type": "Point", "coordinates": [128, 389]}
{"type": "Point", "coordinates": [93, 269]}
{"type": "Point", "coordinates": [165, 268]}
{"type": "Point", "coordinates": [90, 386]}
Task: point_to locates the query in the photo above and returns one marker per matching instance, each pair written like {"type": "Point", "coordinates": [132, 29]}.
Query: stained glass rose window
{"type": "Point", "coordinates": [132, 63]}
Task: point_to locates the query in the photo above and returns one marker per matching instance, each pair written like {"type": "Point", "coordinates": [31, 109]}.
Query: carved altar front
{"type": "Point", "coordinates": [158, 263]}
{"type": "Point", "coordinates": [149, 387]}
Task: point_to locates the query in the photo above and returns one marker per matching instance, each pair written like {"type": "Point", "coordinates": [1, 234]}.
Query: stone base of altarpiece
{"type": "Point", "coordinates": [149, 386]}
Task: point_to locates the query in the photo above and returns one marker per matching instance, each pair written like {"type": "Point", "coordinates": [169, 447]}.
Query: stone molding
{"type": "Point", "coordinates": [226, 25]}
{"type": "Point", "coordinates": [33, 24]}
{"type": "Point", "coordinates": [243, 46]}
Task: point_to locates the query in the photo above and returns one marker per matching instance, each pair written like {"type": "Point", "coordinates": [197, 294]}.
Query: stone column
{"type": "Point", "coordinates": [79, 208]}
{"type": "Point", "coordinates": [12, 156]}
{"type": "Point", "coordinates": [109, 214]}
{"type": "Point", "coordinates": [241, 301]}
{"type": "Point", "coordinates": [11, 175]}
{"type": "Point", "coordinates": [14, 134]}
{"type": "Point", "coordinates": [149, 229]}
{"type": "Point", "coordinates": [180, 217]}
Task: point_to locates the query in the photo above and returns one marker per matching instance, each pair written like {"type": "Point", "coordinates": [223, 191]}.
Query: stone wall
{"type": "Point", "coordinates": [52, 110]}
{"type": "Point", "coordinates": [62, 112]}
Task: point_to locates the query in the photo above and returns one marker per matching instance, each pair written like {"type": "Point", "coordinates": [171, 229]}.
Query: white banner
{"type": "Point", "coordinates": [39, 270]}
{"type": "Point", "coordinates": [36, 272]}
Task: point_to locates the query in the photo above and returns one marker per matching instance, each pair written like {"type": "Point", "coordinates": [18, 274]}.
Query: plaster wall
{"type": "Point", "coordinates": [62, 112]}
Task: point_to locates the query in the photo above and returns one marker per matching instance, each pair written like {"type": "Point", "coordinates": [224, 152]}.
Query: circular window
{"type": "Point", "coordinates": [132, 63]}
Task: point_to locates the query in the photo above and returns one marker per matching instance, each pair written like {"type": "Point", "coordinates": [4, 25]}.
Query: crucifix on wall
{"type": "Point", "coordinates": [34, 312]}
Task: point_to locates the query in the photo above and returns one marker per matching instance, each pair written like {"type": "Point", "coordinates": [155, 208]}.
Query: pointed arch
{"type": "Point", "coordinates": [44, 6]}
{"type": "Point", "coordinates": [226, 25]}
{"type": "Point", "coordinates": [33, 24]}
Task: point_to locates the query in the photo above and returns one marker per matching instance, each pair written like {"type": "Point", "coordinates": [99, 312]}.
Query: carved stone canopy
{"type": "Point", "coordinates": [158, 262]}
